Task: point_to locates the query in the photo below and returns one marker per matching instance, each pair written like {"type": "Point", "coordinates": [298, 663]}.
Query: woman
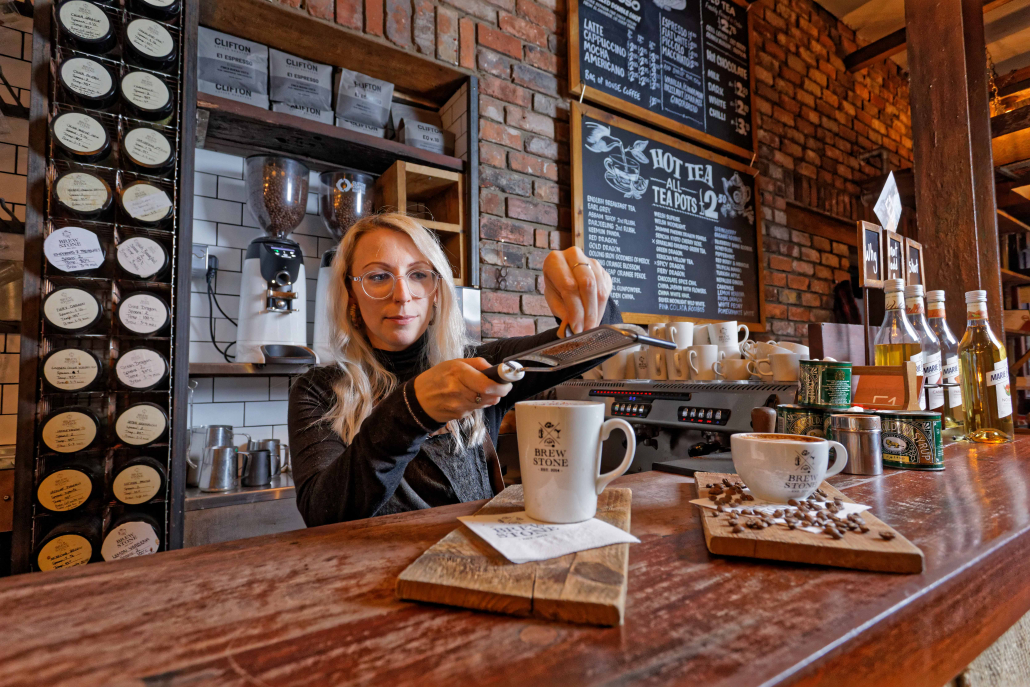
{"type": "Point", "coordinates": [404, 418]}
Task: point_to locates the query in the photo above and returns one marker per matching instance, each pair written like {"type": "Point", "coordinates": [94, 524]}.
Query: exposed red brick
{"type": "Point", "coordinates": [545, 191]}
{"type": "Point", "coordinates": [374, 17]}
{"type": "Point", "coordinates": [398, 22]}
{"type": "Point", "coordinates": [489, 154]}
{"type": "Point", "coordinates": [522, 29]}
{"type": "Point", "coordinates": [476, 8]}
{"type": "Point", "coordinates": [505, 90]}
{"type": "Point", "coordinates": [350, 13]}
{"type": "Point", "coordinates": [535, 305]}
{"type": "Point", "coordinates": [537, 14]}
{"type": "Point", "coordinates": [541, 59]}
{"type": "Point", "coordinates": [509, 182]}
{"type": "Point", "coordinates": [323, 9]}
{"type": "Point", "coordinates": [499, 301]}
{"type": "Point", "coordinates": [499, 41]}
{"type": "Point", "coordinates": [467, 42]}
{"type": "Point", "coordinates": [531, 211]}
{"type": "Point", "coordinates": [498, 133]}
{"type": "Point", "coordinates": [446, 35]}
{"type": "Point", "coordinates": [496, 229]}
{"type": "Point", "coordinates": [530, 121]}
{"type": "Point", "coordinates": [491, 203]}
{"type": "Point", "coordinates": [501, 326]}
{"type": "Point", "coordinates": [535, 166]}
{"type": "Point", "coordinates": [423, 26]}
{"type": "Point", "coordinates": [777, 262]}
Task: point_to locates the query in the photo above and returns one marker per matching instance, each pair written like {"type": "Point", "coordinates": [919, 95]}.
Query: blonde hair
{"type": "Point", "coordinates": [365, 381]}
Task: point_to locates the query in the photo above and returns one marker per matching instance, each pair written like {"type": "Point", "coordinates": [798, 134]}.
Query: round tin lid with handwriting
{"type": "Point", "coordinates": [131, 536]}
{"type": "Point", "coordinates": [158, 9]}
{"type": "Point", "coordinates": [142, 257]}
{"type": "Point", "coordinates": [146, 203]}
{"type": "Point", "coordinates": [71, 309]}
{"type": "Point", "coordinates": [86, 26]}
{"type": "Point", "coordinates": [141, 424]}
{"type": "Point", "coordinates": [146, 95]}
{"type": "Point", "coordinates": [88, 82]}
{"type": "Point", "coordinates": [64, 490]}
{"type": "Point", "coordinates": [64, 550]}
{"type": "Point", "coordinates": [71, 369]}
{"type": "Point", "coordinates": [68, 430]}
{"type": "Point", "coordinates": [143, 313]}
{"type": "Point", "coordinates": [83, 193]}
{"type": "Point", "coordinates": [81, 137]}
{"type": "Point", "coordinates": [148, 149]}
{"type": "Point", "coordinates": [138, 482]}
{"type": "Point", "coordinates": [73, 249]}
{"type": "Point", "coordinates": [141, 369]}
{"type": "Point", "coordinates": [149, 43]}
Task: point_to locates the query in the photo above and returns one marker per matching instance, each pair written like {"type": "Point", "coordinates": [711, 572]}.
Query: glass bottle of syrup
{"type": "Point", "coordinates": [983, 365]}
{"type": "Point", "coordinates": [933, 398]}
{"type": "Point", "coordinates": [897, 342]}
{"type": "Point", "coordinates": [953, 418]}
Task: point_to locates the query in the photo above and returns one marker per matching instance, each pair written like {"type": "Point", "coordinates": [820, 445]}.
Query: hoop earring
{"type": "Point", "coordinates": [355, 316]}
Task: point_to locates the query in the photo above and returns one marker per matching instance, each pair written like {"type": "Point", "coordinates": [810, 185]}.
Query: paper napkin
{"type": "Point", "coordinates": [521, 539]}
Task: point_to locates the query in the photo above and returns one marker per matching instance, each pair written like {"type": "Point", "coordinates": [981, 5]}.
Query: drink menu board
{"type": "Point", "coordinates": [681, 64]}
{"type": "Point", "coordinates": [676, 226]}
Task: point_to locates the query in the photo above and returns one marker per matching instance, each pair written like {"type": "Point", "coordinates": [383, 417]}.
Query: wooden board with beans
{"type": "Point", "coordinates": [860, 541]}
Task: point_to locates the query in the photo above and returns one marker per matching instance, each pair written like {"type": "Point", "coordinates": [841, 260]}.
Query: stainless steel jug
{"type": "Point", "coordinates": [258, 468]}
{"type": "Point", "coordinates": [280, 453]}
{"type": "Point", "coordinates": [203, 438]}
{"type": "Point", "coordinates": [218, 469]}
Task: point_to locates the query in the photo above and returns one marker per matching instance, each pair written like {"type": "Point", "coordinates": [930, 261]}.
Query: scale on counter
{"type": "Point", "coordinates": [672, 417]}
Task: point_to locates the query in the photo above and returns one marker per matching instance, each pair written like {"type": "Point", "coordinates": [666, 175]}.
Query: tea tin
{"type": "Point", "coordinates": [912, 440]}
{"type": "Point", "coordinates": [824, 384]}
{"type": "Point", "coordinates": [796, 419]}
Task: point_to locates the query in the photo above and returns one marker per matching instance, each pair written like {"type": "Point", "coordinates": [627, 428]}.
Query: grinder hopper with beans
{"type": "Point", "coordinates": [273, 301]}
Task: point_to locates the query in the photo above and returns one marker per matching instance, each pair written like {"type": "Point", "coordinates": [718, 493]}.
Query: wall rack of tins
{"type": "Point", "coordinates": [106, 233]}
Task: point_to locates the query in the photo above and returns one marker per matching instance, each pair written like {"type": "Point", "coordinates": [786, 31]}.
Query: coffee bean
{"type": "Point", "coordinates": [721, 508]}
{"type": "Point", "coordinates": [737, 529]}
{"type": "Point", "coordinates": [887, 536]}
{"type": "Point", "coordinates": [792, 502]}
{"type": "Point", "coordinates": [863, 529]}
{"type": "Point", "coordinates": [777, 513]}
{"type": "Point", "coordinates": [836, 535]}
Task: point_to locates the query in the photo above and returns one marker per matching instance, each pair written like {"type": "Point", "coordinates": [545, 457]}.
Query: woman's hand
{"type": "Point", "coordinates": [448, 391]}
{"type": "Point", "coordinates": [576, 288]}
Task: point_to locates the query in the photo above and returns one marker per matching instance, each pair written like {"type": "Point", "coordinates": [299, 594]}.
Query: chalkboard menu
{"type": "Point", "coordinates": [681, 64]}
{"type": "Point", "coordinates": [676, 226]}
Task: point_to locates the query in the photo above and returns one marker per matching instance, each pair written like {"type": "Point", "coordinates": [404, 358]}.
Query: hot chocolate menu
{"type": "Point", "coordinates": [675, 226]}
{"type": "Point", "coordinates": [684, 60]}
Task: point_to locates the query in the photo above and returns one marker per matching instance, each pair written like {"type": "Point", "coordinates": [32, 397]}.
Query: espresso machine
{"type": "Point", "coordinates": [272, 325]}
{"type": "Point", "coordinates": [681, 426]}
{"type": "Point", "coordinates": [345, 197]}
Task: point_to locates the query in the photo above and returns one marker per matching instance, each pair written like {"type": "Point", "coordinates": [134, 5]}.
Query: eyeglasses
{"type": "Point", "coordinates": [379, 284]}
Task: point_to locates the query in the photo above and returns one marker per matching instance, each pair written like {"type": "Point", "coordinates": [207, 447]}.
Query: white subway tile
{"type": "Point", "coordinates": [311, 225]}
{"type": "Point", "coordinates": [8, 429]}
{"type": "Point", "coordinates": [267, 412]}
{"type": "Point", "coordinates": [10, 399]}
{"type": "Point", "coordinates": [248, 218]}
{"type": "Point", "coordinates": [216, 210]}
{"type": "Point", "coordinates": [324, 245]}
{"type": "Point", "coordinates": [228, 283]}
{"type": "Point", "coordinates": [230, 304]}
{"type": "Point", "coordinates": [279, 388]}
{"type": "Point", "coordinates": [205, 185]}
{"type": "Point", "coordinates": [13, 343]}
{"type": "Point", "coordinates": [198, 305]}
{"type": "Point", "coordinates": [218, 163]}
{"type": "Point", "coordinates": [235, 236]}
{"type": "Point", "coordinates": [314, 183]}
{"type": "Point", "coordinates": [282, 433]}
{"type": "Point", "coordinates": [241, 389]}
{"type": "Point", "coordinates": [204, 352]}
{"type": "Point", "coordinates": [219, 413]}
{"type": "Point", "coordinates": [202, 394]}
{"type": "Point", "coordinates": [200, 330]}
{"type": "Point", "coordinates": [229, 259]}
{"type": "Point", "coordinates": [256, 433]}
{"type": "Point", "coordinates": [312, 207]}
{"type": "Point", "coordinates": [232, 189]}
{"type": "Point", "coordinates": [205, 232]}
{"type": "Point", "coordinates": [198, 285]}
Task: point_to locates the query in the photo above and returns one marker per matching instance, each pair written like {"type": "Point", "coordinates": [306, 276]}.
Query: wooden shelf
{"type": "Point", "coordinates": [245, 369]}
{"type": "Point", "coordinates": [237, 128]}
{"type": "Point", "coordinates": [447, 227]}
{"type": "Point", "coordinates": [1010, 278]}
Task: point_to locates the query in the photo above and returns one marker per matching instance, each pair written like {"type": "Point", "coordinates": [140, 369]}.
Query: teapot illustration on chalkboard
{"type": "Point", "coordinates": [622, 170]}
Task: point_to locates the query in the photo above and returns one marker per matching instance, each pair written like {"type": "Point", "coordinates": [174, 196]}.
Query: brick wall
{"type": "Point", "coordinates": [814, 119]}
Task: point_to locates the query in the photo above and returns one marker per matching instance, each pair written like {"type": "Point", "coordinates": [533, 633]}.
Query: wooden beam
{"type": "Point", "coordinates": [1014, 147]}
{"type": "Point", "coordinates": [951, 131]}
{"type": "Point", "coordinates": [1007, 224]}
{"type": "Point", "coordinates": [820, 223]}
{"type": "Point", "coordinates": [892, 44]}
{"type": "Point", "coordinates": [1014, 77]}
{"type": "Point", "coordinates": [1008, 122]}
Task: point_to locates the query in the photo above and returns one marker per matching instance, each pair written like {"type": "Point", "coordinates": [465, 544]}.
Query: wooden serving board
{"type": "Point", "coordinates": [861, 551]}
{"type": "Point", "coordinates": [586, 587]}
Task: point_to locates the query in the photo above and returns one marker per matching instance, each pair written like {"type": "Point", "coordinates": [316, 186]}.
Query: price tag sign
{"type": "Point", "coordinates": [893, 255]}
{"type": "Point", "coordinates": [888, 205]}
{"type": "Point", "coordinates": [914, 263]}
{"type": "Point", "coordinates": [870, 239]}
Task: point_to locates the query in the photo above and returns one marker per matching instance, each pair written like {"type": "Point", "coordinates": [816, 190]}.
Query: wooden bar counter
{"type": "Point", "coordinates": [317, 607]}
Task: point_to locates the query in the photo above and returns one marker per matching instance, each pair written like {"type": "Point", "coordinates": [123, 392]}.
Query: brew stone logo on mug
{"type": "Point", "coordinates": [549, 454]}
{"type": "Point", "coordinates": [803, 480]}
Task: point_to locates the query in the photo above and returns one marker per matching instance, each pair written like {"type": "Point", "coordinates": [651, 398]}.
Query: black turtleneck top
{"type": "Point", "coordinates": [395, 463]}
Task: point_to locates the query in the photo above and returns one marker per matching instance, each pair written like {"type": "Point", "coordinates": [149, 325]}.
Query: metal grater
{"type": "Point", "coordinates": [572, 350]}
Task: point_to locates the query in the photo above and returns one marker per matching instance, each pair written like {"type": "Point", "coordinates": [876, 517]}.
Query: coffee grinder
{"type": "Point", "coordinates": [272, 324]}
{"type": "Point", "coordinates": [345, 197]}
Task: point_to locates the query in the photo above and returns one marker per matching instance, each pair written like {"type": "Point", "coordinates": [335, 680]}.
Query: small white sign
{"type": "Point", "coordinates": [521, 539]}
{"type": "Point", "coordinates": [888, 205]}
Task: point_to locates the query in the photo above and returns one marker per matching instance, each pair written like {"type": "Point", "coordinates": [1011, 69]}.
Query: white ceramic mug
{"type": "Point", "coordinates": [656, 363]}
{"type": "Point", "coordinates": [640, 362]}
{"type": "Point", "coordinates": [780, 467]}
{"type": "Point", "coordinates": [726, 333]}
{"type": "Point", "coordinates": [783, 367]}
{"type": "Point", "coordinates": [756, 350]}
{"type": "Point", "coordinates": [680, 333]}
{"type": "Point", "coordinates": [676, 363]}
{"type": "Point", "coordinates": [730, 351]}
{"type": "Point", "coordinates": [796, 348]}
{"type": "Point", "coordinates": [560, 457]}
{"type": "Point", "coordinates": [702, 360]}
{"type": "Point", "coordinates": [615, 367]}
{"type": "Point", "coordinates": [702, 335]}
{"type": "Point", "coordinates": [733, 369]}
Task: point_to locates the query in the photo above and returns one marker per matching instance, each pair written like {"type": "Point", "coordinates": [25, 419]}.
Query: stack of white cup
{"type": "Point", "coordinates": [775, 362]}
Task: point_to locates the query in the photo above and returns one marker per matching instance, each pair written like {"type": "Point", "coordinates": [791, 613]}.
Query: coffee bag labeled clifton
{"type": "Point", "coordinates": [232, 67]}
{"type": "Point", "coordinates": [362, 99]}
{"type": "Point", "coordinates": [298, 81]}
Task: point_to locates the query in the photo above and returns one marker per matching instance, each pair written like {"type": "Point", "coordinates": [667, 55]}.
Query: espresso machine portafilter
{"type": "Point", "coordinates": [272, 324]}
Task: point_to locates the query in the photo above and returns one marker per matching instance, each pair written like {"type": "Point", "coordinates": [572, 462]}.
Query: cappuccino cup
{"type": "Point", "coordinates": [560, 457]}
{"type": "Point", "coordinates": [780, 467]}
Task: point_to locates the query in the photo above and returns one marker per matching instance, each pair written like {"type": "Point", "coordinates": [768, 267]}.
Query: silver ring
{"type": "Point", "coordinates": [479, 399]}
{"type": "Point", "coordinates": [580, 264]}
